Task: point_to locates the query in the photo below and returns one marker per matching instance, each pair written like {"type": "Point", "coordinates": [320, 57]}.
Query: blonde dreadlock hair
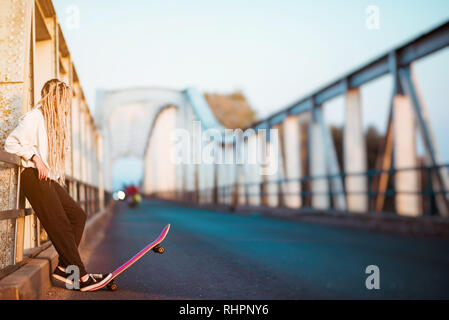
{"type": "Point", "coordinates": [55, 106]}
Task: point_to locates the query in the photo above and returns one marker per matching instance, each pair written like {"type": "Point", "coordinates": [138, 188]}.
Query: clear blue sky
{"type": "Point", "coordinates": [274, 51]}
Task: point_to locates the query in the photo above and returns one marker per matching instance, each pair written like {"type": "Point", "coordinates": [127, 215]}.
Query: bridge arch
{"type": "Point", "coordinates": [160, 172]}
{"type": "Point", "coordinates": [125, 118]}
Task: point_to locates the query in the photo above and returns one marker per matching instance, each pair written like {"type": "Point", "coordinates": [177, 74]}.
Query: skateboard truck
{"type": "Point", "coordinates": [159, 249]}
{"type": "Point", "coordinates": [112, 285]}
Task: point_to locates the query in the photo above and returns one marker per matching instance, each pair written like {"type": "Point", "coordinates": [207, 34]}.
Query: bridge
{"type": "Point", "coordinates": [265, 206]}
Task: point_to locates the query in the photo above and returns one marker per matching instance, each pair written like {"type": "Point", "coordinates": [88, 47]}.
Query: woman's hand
{"type": "Point", "coordinates": [41, 167]}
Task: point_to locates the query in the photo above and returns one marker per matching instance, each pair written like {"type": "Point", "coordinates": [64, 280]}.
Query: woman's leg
{"type": "Point", "coordinates": [75, 214]}
{"type": "Point", "coordinates": [45, 201]}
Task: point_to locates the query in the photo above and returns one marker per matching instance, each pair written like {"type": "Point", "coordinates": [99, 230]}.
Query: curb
{"type": "Point", "coordinates": [34, 278]}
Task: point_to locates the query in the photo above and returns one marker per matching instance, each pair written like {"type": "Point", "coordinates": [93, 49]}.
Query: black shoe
{"type": "Point", "coordinates": [61, 276]}
{"type": "Point", "coordinates": [93, 282]}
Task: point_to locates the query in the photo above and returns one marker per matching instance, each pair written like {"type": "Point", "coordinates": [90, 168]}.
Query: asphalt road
{"type": "Point", "coordinates": [213, 255]}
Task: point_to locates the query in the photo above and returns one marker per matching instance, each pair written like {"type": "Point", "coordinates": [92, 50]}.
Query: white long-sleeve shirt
{"type": "Point", "coordinates": [28, 138]}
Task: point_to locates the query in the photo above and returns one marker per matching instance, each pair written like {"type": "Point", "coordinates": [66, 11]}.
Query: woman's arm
{"type": "Point", "coordinates": [19, 140]}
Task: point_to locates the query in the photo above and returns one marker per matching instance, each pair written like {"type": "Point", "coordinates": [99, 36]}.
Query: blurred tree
{"type": "Point", "coordinates": [373, 141]}
{"type": "Point", "coordinates": [232, 110]}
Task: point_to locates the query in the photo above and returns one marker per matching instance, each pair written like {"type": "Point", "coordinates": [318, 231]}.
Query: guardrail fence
{"type": "Point", "coordinates": [378, 201]}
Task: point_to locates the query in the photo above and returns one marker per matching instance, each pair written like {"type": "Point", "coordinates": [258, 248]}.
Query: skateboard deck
{"type": "Point", "coordinates": [151, 246]}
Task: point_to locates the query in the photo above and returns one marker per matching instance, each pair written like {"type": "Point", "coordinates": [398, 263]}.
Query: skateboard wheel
{"type": "Point", "coordinates": [159, 249]}
{"type": "Point", "coordinates": [112, 286]}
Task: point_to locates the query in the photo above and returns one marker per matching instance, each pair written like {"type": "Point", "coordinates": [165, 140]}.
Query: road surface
{"type": "Point", "coordinates": [214, 255]}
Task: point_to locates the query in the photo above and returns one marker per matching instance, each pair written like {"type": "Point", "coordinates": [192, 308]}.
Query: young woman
{"type": "Point", "coordinates": [40, 139]}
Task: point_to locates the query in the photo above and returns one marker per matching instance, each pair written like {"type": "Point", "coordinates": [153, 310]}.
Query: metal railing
{"type": "Point", "coordinates": [13, 220]}
{"type": "Point", "coordinates": [234, 193]}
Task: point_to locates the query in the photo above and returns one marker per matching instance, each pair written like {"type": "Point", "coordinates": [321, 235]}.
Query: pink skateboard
{"type": "Point", "coordinates": [155, 246]}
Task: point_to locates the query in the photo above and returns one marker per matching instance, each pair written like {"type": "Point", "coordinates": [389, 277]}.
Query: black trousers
{"type": "Point", "coordinates": [60, 215]}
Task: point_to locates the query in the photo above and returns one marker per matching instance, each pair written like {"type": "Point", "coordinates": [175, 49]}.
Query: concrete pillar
{"type": "Point", "coordinates": [210, 181]}
{"type": "Point", "coordinates": [68, 79]}
{"type": "Point", "coordinates": [201, 183]}
{"type": "Point", "coordinates": [252, 170]}
{"type": "Point", "coordinates": [272, 171]}
{"type": "Point", "coordinates": [47, 61]}
{"type": "Point", "coordinates": [241, 189]}
{"type": "Point", "coordinates": [15, 56]}
{"type": "Point", "coordinates": [88, 148]}
{"type": "Point", "coordinates": [94, 155]}
{"type": "Point", "coordinates": [354, 158]}
{"type": "Point", "coordinates": [100, 172]}
{"type": "Point", "coordinates": [16, 97]}
{"type": "Point", "coordinates": [240, 175]}
{"type": "Point", "coordinates": [85, 142]}
{"type": "Point", "coordinates": [203, 179]}
{"type": "Point", "coordinates": [230, 173]}
{"type": "Point", "coordinates": [225, 174]}
{"type": "Point", "coordinates": [93, 159]}
{"type": "Point", "coordinates": [407, 181]}
{"type": "Point", "coordinates": [272, 180]}
{"type": "Point", "coordinates": [292, 160]}
{"type": "Point", "coordinates": [75, 131]}
{"type": "Point", "coordinates": [319, 184]}
{"type": "Point", "coordinates": [221, 171]}
{"type": "Point", "coordinates": [108, 158]}
{"type": "Point", "coordinates": [82, 142]}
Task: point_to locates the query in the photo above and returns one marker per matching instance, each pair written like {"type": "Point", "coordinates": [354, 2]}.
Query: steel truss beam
{"type": "Point", "coordinates": [413, 50]}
